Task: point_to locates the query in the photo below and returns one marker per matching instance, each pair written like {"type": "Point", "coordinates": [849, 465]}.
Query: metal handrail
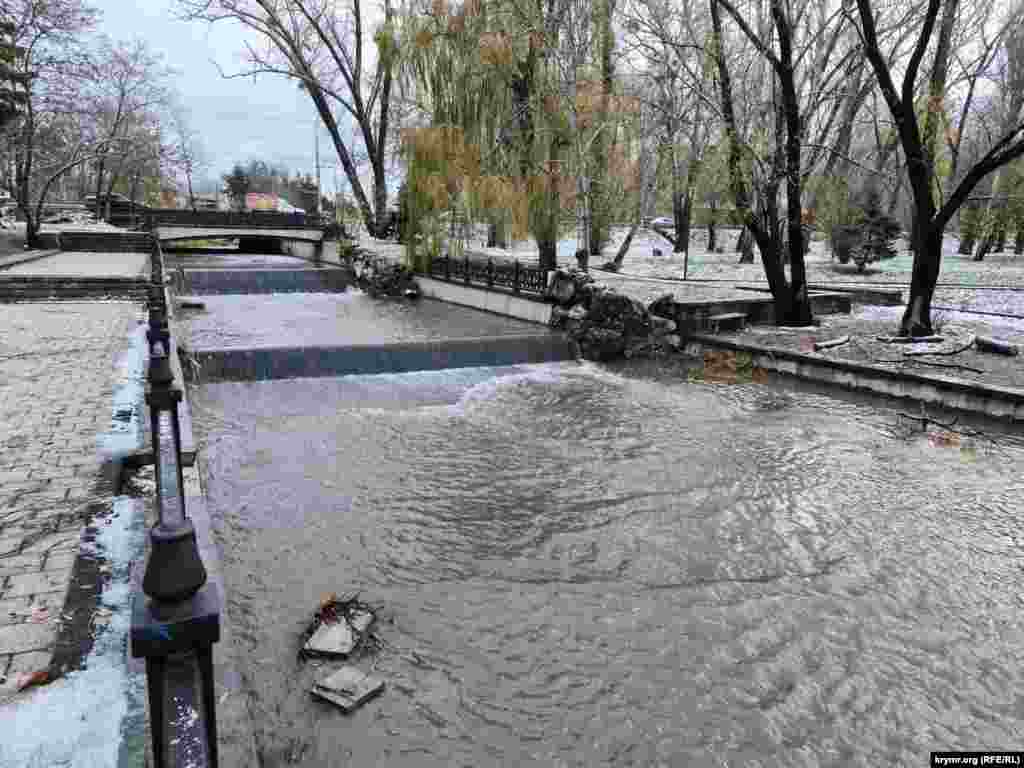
{"type": "Point", "coordinates": [176, 616]}
{"type": "Point", "coordinates": [489, 274]}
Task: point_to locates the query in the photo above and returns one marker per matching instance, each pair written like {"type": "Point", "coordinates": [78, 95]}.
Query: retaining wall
{"type": "Point", "coordinates": [498, 302]}
{"type": "Point", "coordinates": [1000, 402]}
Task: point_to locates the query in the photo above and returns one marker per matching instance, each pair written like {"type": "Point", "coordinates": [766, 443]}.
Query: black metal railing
{"type": "Point", "coordinates": [176, 616]}
{"type": "Point", "coordinates": [256, 219]}
{"type": "Point", "coordinates": [488, 273]}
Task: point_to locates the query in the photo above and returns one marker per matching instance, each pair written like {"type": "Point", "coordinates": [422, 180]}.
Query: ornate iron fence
{"type": "Point", "coordinates": [514, 276]}
{"type": "Point", "coordinates": [176, 617]}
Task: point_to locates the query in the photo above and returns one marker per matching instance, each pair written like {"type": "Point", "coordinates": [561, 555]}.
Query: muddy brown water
{"type": "Point", "coordinates": [577, 566]}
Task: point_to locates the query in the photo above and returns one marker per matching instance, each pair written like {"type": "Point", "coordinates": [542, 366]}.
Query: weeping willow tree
{"type": "Point", "coordinates": [483, 79]}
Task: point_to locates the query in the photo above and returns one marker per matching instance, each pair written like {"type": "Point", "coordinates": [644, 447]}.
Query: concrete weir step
{"type": "Point", "coordinates": [265, 363]}
{"type": "Point", "coordinates": [240, 281]}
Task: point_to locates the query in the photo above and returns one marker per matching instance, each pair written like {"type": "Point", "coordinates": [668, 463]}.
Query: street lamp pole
{"type": "Point", "coordinates": [316, 158]}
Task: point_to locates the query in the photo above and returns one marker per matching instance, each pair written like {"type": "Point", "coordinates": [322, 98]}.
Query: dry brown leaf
{"type": "Point", "coordinates": [39, 677]}
{"type": "Point", "coordinates": [944, 439]}
{"type": "Point", "coordinates": [327, 598]}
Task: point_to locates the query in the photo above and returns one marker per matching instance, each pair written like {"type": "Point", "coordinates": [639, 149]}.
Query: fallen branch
{"type": "Point", "coordinates": [949, 427]}
{"type": "Point", "coordinates": [996, 346]}
{"type": "Point", "coordinates": [943, 353]}
{"type": "Point", "coordinates": [910, 339]}
{"type": "Point", "coordinates": [819, 345]}
{"type": "Point", "coordinates": [664, 234]}
{"type": "Point", "coordinates": [956, 366]}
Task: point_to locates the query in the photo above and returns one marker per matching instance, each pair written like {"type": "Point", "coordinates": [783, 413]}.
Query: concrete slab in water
{"type": "Point", "coordinates": [334, 320]}
{"type": "Point", "coordinates": [227, 259]}
{"type": "Point", "coordinates": [398, 357]}
{"type": "Point", "coordinates": [245, 281]}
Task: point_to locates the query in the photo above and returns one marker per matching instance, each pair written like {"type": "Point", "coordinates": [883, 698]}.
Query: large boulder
{"type": "Point", "coordinates": [380, 277]}
{"type": "Point", "coordinates": [601, 344]}
{"type": "Point", "coordinates": [608, 325]}
{"type": "Point", "coordinates": [663, 306]}
{"type": "Point", "coordinates": [564, 285]}
{"type": "Point", "coordinates": [616, 310]}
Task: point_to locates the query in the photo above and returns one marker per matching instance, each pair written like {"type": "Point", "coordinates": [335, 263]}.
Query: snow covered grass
{"type": "Point", "coordinates": [1002, 269]}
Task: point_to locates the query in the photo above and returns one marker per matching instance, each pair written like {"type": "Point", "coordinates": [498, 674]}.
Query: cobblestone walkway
{"type": "Point", "coordinates": [81, 264]}
{"type": "Point", "coordinates": [57, 379]}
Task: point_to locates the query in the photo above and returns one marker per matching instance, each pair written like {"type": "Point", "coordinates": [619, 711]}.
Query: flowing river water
{"type": "Point", "coordinates": [579, 565]}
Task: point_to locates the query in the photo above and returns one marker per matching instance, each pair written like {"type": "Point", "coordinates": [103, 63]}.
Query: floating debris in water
{"type": "Point", "coordinates": [339, 627]}
{"type": "Point", "coordinates": [728, 367]}
{"type": "Point", "coordinates": [348, 688]}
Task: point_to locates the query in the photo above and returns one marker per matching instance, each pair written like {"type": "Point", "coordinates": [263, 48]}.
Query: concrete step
{"type": "Point", "coordinates": [107, 242]}
{"type": "Point", "coordinates": [727, 321]}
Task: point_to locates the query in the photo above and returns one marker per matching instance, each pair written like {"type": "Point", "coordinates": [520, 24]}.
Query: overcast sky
{"type": "Point", "coordinates": [240, 119]}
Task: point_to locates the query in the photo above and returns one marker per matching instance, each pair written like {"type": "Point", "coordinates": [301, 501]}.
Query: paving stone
{"type": "Point", "coordinates": [18, 564]}
{"type": "Point", "coordinates": [13, 611]}
{"type": "Point", "coordinates": [64, 542]}
{"type": "Point", "coordinates": [18, 638]}
{"type": "Point", "coordinates": [56, 387]}
{"type": "Point", "coordinates": [25, 584]}
{"type": "Point", "coordinates": [10, 544]}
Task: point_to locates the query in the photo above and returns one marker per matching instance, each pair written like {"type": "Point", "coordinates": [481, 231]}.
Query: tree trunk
{"type": "Point", "coordinates": [712, 232]}
{"type": "Point", "coordinates": [745, 246]}
{"type": "Point", "coordinates": [600, 213]}
{"type": "Point", "coordinates": [1018, 245]}
{"type": "Point", "coordinates": [100, 170]}
{"type": "Point", "coordinates": [496, 235]}
{"type": "Point", "coordinates": [548, 258]}
{"type": "Point", "coordinates": [800, 305]}
{"type": "Point", "coordinates": [380, 198]}
{"type": "Point", "coordinates": [682, 215]}
{"type": "Point", "coordinates": [620, 255]}
{"type": "Point", "coordinates": [917, 316]}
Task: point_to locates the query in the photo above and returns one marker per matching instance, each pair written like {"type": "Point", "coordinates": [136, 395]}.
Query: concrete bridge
{"type": "Point", "coordinates": [255, 230]}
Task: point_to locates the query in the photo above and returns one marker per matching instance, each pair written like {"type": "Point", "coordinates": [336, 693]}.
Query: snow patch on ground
{"type": "Point", "coordinates": [125, 432]}
{"type": "Point", "coordinates": [77, 721]}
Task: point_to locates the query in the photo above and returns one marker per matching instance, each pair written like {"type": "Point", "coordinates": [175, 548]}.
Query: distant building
{"type": "Point", "coordinates": [207, 202]}
{"type": "Point", "coordinates": [265, 201]}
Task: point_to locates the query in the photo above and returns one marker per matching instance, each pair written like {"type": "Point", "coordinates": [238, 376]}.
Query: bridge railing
{"type": "Point", "coordinates": [514, 276]}
{"type": "Point", "coordinates": [176, 617]}
{"type": "Point", "coordinates": [255, 219]}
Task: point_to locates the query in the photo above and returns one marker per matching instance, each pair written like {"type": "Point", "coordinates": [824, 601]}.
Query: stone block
{"type": "Point", "coordinates": [727, 321]}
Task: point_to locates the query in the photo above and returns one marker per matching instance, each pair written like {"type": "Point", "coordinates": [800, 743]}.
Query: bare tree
{"type": "Point", "coordinates": [327, 46]}
{"type": "Point", "coordinates": [126, 86]}
{"type": "Point", "coordinates": [919, 142]}
{"type": "Point", "coordinates": [186, 149]}
{"type": "Point", "coordinates": [49, 138]}
{"type": "Point", "coordinates": [801, 84]}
